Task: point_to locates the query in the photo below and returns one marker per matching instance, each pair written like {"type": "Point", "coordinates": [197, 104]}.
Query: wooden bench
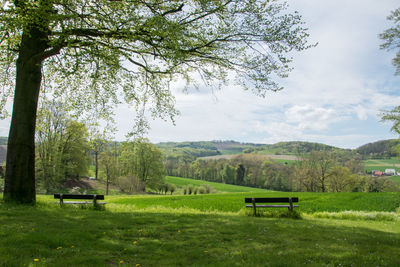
{"type": "Point", "coordinates": [254, 200]}
{"type": "Point", "coordinates": [94, 199]}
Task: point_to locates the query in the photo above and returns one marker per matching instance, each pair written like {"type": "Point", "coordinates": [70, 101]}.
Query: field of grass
{"type": "Point", "coordinates": [181, 231]}
{"type": "Point", "coordinates": [395, 179]}
{"type": "Point", "coordinates": [381, 164]}
{"type": "Point", "coordinates": [180, 182]}
{"type": "Point", "coordinates": [234, 202]}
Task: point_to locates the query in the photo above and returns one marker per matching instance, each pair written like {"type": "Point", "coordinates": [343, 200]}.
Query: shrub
{"type": "Point", "coordinates": [202, 190]}
{"type": "Point", "coordinates": [130, 184]}
{"type": "Point", "coordinates": [190, 189]}
{"type": "Point", "coordinates": [208, 188]}
{"type": "Point", "coordinates": [172, 188]}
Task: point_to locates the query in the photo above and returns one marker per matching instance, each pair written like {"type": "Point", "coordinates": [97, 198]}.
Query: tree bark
{"type": "Point", "coordinates": [20, 170]}
{"type": "Point", "coordinates": [96, 157]}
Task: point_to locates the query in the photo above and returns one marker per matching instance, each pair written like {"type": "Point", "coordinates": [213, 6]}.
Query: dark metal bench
{"type": "Point", "coordinates": [94, 199]}
{"type": "Point", "coordinates": [254, 200]}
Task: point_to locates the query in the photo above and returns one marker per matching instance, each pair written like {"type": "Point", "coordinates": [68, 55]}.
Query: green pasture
{"type": "Point", "coordinates": [181, 182]}
{"type": "Point", "coordinates": [381, 164]}
{"type": "Point", "coordinates": [196, 231]}
{"type": "Point", "coordinates": [234, 202]}
{"type": "Point", "coordinates": [395, 179]}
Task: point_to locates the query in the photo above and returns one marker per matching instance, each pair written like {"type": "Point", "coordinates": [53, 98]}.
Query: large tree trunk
{"type": "Point", "coordinates": [20, 165]}
{"type": "Point", "coordinates": [96, 156]}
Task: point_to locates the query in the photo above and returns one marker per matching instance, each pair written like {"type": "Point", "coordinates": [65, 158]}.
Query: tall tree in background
{"type": "Point", "coordinates": [62, 146]}
{"type": "Point", "coordinates": [391, 38]}
{"type": "Point", "coordinates": [90, 50]}
{"type": "Point", "coordinates": [143, 160]}
{"type": "Point", "coordinates": [110, 164]}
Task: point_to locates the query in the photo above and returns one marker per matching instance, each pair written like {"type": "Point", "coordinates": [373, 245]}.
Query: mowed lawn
{"type": "Point", "coordinates": [149, 231]}
{"type": "Point", "coordinates": [234, 202]}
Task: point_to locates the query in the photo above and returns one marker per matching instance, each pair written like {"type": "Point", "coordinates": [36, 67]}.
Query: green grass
{"type": "Point", "coordinates": [234, 202]}
{"type": "Point", "coordinates": [124, 235]}
{"type": "Point", "coordinates": [180, 182]}
{"type": "Point", "coordinates": [381, 164]}
{"type": "Point", "coordinates": [232, 199]}
{"type": "Point", "coordinates": [231, 151]}
{"type": "Point", "coordinates": [395, 179]}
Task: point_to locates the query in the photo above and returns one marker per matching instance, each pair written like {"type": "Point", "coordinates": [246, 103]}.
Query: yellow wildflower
{"type": "Point", "coordinates": [137, 265]}
{"type": "Point", "coordinates": [121, 261]}
{"type": "Point", "coordinates": [179, 231]}
{"type": "Point", "coordinates": [35, 259]}
{"type": "Point", "coordinates": [134, 242]}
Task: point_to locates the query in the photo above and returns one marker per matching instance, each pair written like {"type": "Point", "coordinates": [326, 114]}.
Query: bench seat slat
{"type": "Point", "coordinates": [76, 196]}
{"type": "Point", "coordinates": [270, 199]}
{"type": "Point", "coordinates": [270, 206]}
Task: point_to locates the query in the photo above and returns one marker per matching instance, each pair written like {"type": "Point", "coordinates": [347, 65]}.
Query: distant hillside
{"type": "Point", "coordinates": [379, 149]}
{"type": "Point", "coordinates": [297, 147]}
{"type": "Point", "coordinates": [189, 151]}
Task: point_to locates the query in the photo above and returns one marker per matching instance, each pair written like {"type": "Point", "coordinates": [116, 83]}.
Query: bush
{"type": "Point", "coordinates": [190, 189]}
{"type": "Point", "coordinates": [130, 184]}
{"type": "Point", "coordinates": [172, 188]}
{"type": "Point", "coordinates": [202, 190]}
{"type": "Point", "coordinates": [208, 188]}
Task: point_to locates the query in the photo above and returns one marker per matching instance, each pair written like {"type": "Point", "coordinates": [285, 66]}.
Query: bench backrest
{"type": "Point", "coordinates": [76, 196]}
{"type": "Point", "coordinates": [270, 199]}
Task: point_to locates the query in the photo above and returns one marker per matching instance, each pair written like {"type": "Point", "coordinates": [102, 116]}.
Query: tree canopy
{"type": "Point", "coordinates": [391, 38]}
{"type": "Point", "coordinates": [90, 51]}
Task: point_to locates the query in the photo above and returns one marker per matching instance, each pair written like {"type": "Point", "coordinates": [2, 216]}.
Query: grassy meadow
{"type": "Point", "coordinates": [226, 188]}
{"type": "Point", "coordinates": [335, 229]}
{"type": "Point", "coordinates": [381, 164]}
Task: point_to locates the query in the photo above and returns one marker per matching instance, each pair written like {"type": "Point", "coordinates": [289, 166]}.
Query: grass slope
{"type": "Point", "coordinates": [180, 182]}
{"type": "Point", "coordinates": [381, 164]}
{"type": "Point", "coordinates": [234, 202]}
{"type": "Point", "coordinates": [124, 236]}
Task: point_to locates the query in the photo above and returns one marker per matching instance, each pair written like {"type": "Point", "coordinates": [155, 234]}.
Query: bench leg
{"type": "Point", "coordinates": [290, 204]}
{"type": "Point", "coordinates": [254, 206]}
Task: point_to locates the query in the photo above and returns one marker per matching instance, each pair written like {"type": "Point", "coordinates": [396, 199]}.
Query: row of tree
{"type": "Point", "coordinates": [319, 171]}
{"type": "Point", "coordinates": [66, 148]}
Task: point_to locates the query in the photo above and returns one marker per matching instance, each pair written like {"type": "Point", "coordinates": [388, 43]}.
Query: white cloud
{"type": "Point", "coordinates": [311, 118]}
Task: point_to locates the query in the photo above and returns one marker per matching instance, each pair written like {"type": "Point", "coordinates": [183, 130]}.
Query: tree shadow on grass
{"type": "Point", "coordinates": [75, 237]}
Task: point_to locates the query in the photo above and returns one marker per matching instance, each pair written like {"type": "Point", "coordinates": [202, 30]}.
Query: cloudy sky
{"type": "Point", "coordinates": [333, 96]}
